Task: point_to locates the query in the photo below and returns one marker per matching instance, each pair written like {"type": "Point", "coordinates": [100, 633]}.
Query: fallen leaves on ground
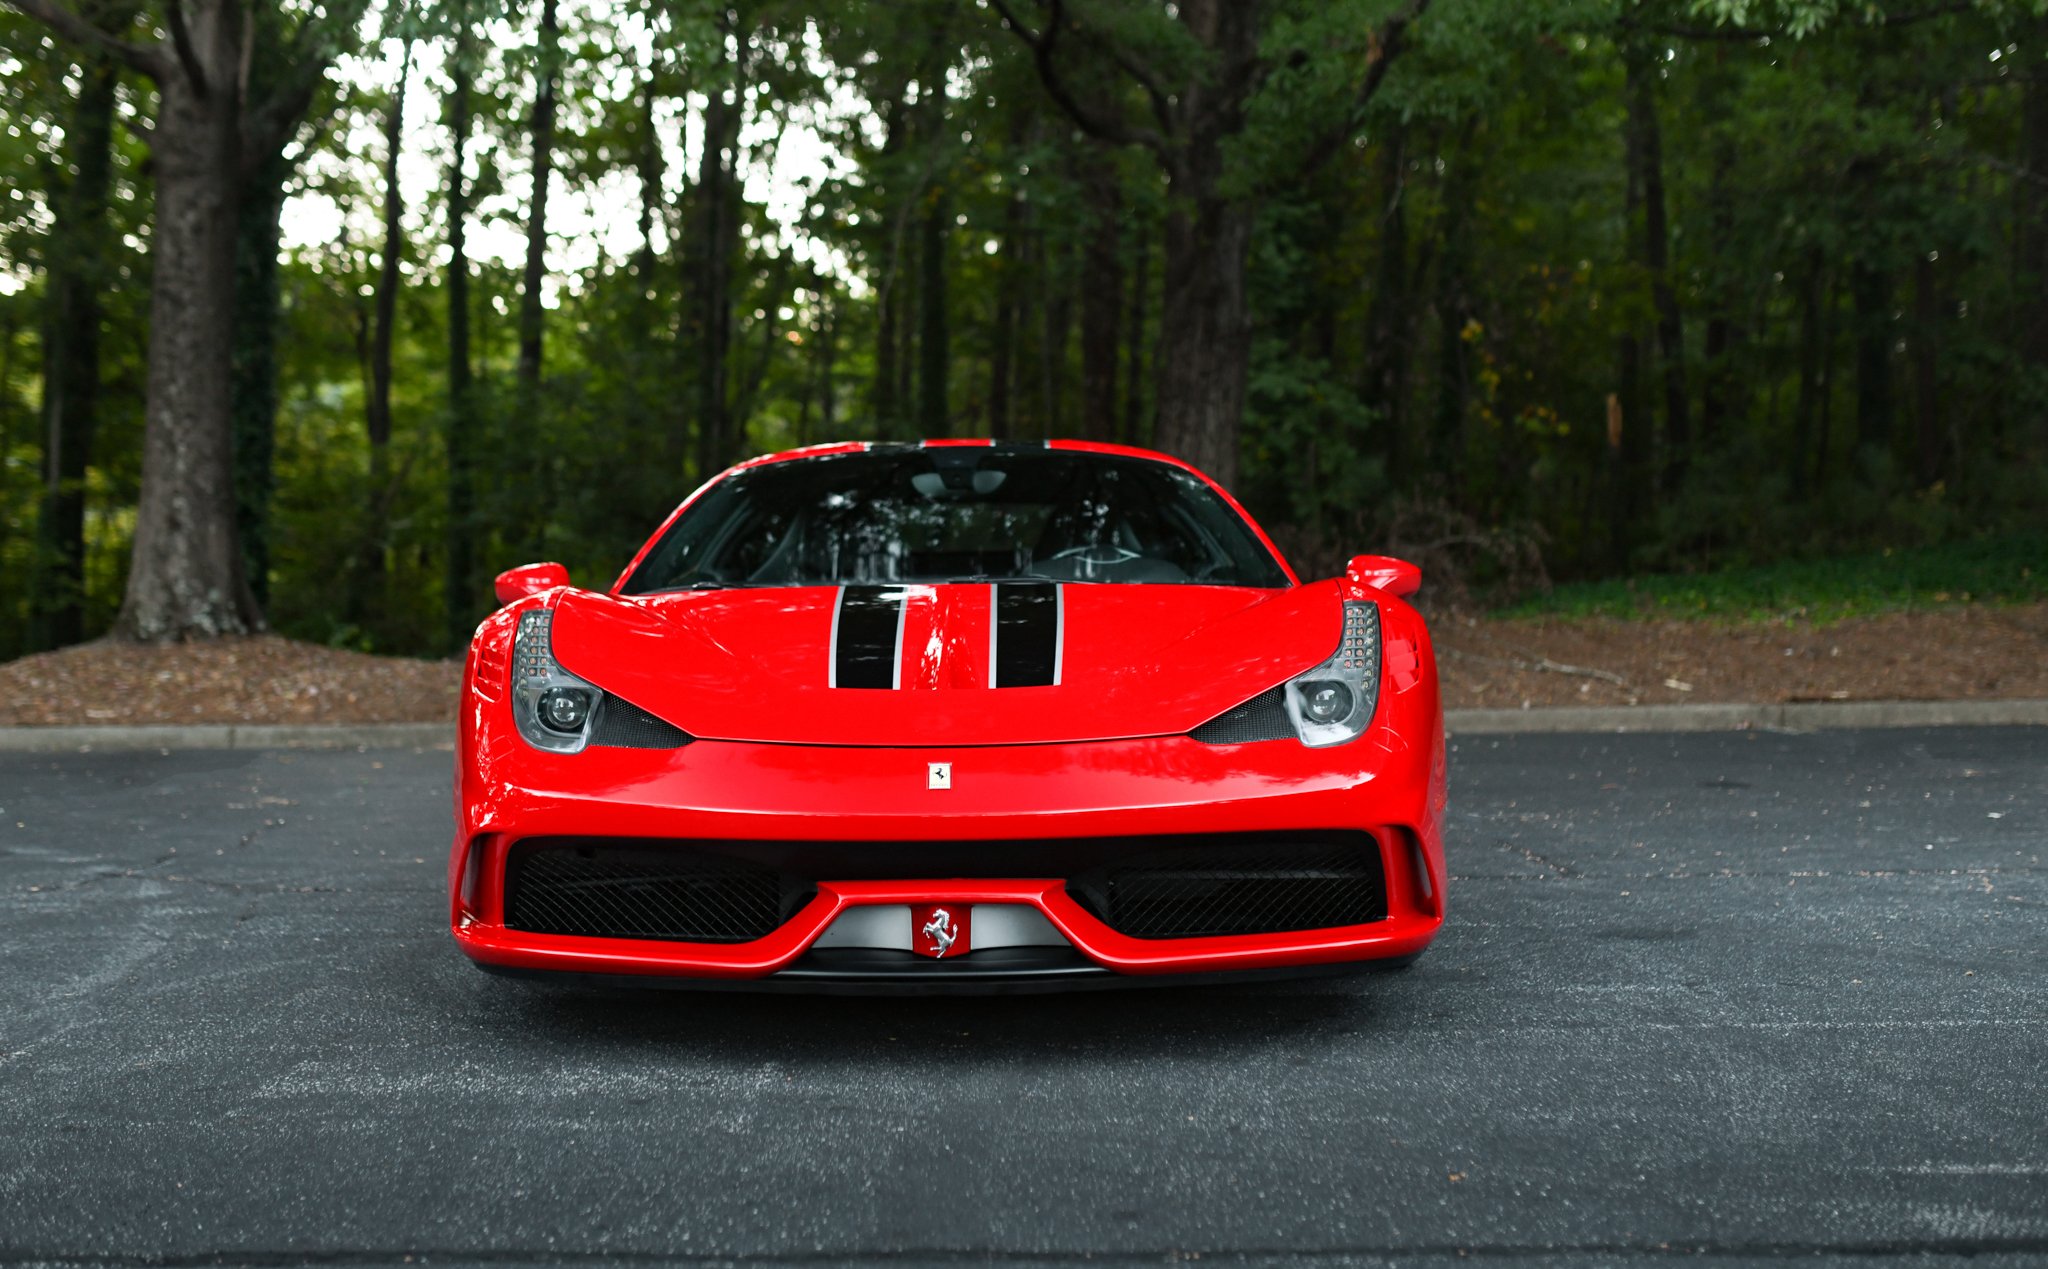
{"type": "Point", "coordinates": [257, 679]}
{"type": "Point", "coordinates": [1934, 655]}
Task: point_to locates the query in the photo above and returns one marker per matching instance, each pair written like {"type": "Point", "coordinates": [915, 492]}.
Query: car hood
{"type": "Point", "coordinates": [1124, 660]}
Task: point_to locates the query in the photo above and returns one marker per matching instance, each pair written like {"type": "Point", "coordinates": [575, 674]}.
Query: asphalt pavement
{"type": "Point", "coordinates": [1743, 995]}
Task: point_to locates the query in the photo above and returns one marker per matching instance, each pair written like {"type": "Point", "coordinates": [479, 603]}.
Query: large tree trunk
{"type": "Point", "coordinates": [1204, 326]}
{"type": "Point", "coordinates": [1102, 285]}
{"type": "Point", "coordinates": [1205, 331]}
{"type": "Point", "coordinates": [460, 583]}
{"type": "Point", "coordinates": [71, 356]}
{"type": "Point", "coordinates": [187, 579]}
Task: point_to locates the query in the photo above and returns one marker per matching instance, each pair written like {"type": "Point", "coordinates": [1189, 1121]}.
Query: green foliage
{"type": "Point", "coordinates": [2012, 569]}
{"type": "Point", "coordinates": [1439, 299]}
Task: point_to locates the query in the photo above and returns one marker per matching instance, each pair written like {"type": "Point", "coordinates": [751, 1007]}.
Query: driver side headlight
{"type": "Point", "coordinates": [552, 707]}
{"type": "Point", "coordinates": [1333, 703]}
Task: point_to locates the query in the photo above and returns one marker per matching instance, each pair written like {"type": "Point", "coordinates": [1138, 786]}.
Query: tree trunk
{"type": "Point", "coordinates": [1454, 310]}
{"type": "Point", "coordinates": [258, 239]}
{"type": "Point", "coordinates": [1057, 298]}
{"type": "Point", "coordinates": [1001, 355]}
{"type": "Point", "coordinates": [1812, 383]}
{"type": "Point", "coordinates": [1102, 275]}
{"type": "Point", "coordinates": [934, 343]}
{"type": "Point", "coordinates": [542, 129]}
{"type": "Point", "coordinates": [460, 583]}
{"type": "Point", "coordinates": [1871, 289]}
{"type": "Point", "coordinates": [1391, 315]}
{"type": "Point", "coordinates": [187, 578]}
{"type": "Point", "coordinates": [377, 411]}
{"type": "Point", "coordinates": [712, 242]}
{"type": "Point", "coordinates": [648, 167]}
{"type": "Point", "coordinates": [71, 356]}
{"type": "Point", "coordinates": [1721, 396]}
{"type": "Point", "coordinates": [1721, 393]}
{"type": "Point", "coordinates": [1646, 150]}
{"type": "Point", "coordinates": [1134, 430]}
{"type": "Point", "coordinates": [378, 414]}
{"type": "Point", "coordinates": [2031, 197]}
{"type": "Point", "coordinates": [828, 334]}
{"type": "Point", "coordinates": [1204, 324]}
{"type": "Point", "coordinates": [1629, 450]}
{"type": "Point", "coordinates": [1927, 369]}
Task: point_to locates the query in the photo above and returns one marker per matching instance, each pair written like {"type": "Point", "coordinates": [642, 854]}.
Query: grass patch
{"type": "Point", "coordinates": [2002, 570]}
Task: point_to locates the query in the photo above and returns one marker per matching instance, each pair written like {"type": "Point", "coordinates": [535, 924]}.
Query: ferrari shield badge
{"type": "Point", "coordinates": [938, 775]}
{"type": "Point", "coordinates": [938, 929]}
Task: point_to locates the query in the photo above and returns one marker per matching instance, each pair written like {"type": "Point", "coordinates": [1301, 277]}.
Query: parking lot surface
{"type": "Point", "coordinates": [1757, 996]}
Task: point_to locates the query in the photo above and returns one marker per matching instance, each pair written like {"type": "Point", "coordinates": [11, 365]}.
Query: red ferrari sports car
{"type": "Point", "coordinates": [952, 716]}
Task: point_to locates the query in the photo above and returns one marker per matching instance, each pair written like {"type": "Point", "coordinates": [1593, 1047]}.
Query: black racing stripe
{"type": "Point", "coordinates": [864, 641]}
{"type": "Point", "coordinates": [1027, 634]}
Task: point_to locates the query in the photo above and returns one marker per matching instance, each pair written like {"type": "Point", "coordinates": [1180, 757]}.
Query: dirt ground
{"type": "Point", "coordinates": [1942, 654]}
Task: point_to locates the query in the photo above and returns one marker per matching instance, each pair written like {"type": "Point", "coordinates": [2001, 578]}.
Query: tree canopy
{"type": "Point", "coordinates": [372, 300]}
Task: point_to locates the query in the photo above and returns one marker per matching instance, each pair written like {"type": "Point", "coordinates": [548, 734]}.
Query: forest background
{"type": "Point", "coordinates": [318, 314]}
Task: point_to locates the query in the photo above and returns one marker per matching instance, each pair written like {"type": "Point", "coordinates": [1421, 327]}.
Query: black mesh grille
{"type": "Point", "coordinates": [645, 891]}
{"type": "Point", "coordinates": [1240, 886]}
{"type": "Point", "coordinates": [624, 725]}
{"type": "Point", "coordinates": [1263, 717]}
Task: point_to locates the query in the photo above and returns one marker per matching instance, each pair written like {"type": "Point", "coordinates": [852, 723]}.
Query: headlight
{"type": "Point", "coordinates": [552, 706]}
{"type": "Point", "coordinates": [1333, 703]}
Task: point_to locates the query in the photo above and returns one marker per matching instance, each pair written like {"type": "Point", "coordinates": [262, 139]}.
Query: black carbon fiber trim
{"type": "Point", "coordinates": [624, 725]}
{"type": "Point", "coordinates": [1263, 717]}
{"type": "Point", "coordinates": [1240, 885]}
{"type": "Point", "coordinates": [644, 890]}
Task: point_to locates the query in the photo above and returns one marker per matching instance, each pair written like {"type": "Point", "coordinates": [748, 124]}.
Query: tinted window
{"type": "Point", "coordinates": [957, 514]}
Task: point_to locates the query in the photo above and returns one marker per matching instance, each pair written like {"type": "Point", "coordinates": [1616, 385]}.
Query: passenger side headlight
{"type": "Point", "coordinates": [552, 706]}
{"type": "Point", "coordinates": [1333, 703]}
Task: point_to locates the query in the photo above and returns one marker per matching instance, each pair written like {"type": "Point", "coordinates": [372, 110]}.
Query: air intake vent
{"type": "Point", "coordinates": [625, 725]}
{"type": "Point", "coordinates": [1263, 717]}
{"type": "Point", "coordinates": [1240, 885]}
{"type": "Point", "coordinates": [637, 890]}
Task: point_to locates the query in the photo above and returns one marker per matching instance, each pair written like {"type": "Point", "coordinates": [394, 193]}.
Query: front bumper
{"type": "Point", "coordinates": [873, 804]}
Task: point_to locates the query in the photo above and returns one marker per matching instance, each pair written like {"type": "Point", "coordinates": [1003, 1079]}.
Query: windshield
{"type": "Point", "coordinates": [957, 514]}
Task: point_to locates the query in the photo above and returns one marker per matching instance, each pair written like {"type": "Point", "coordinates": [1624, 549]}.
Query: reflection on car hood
{"type": "Point", "coordinates": [950, 664]}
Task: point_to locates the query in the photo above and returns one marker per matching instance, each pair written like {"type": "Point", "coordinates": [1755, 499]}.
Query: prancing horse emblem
{"type": "Point", "coordinates": [940, 931]}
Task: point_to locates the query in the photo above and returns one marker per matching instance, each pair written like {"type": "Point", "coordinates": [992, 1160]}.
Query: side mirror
{"type": "Point", "coordinates": [1396, 577]}
{"type": "Point", "coordinates": [529, 579]}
